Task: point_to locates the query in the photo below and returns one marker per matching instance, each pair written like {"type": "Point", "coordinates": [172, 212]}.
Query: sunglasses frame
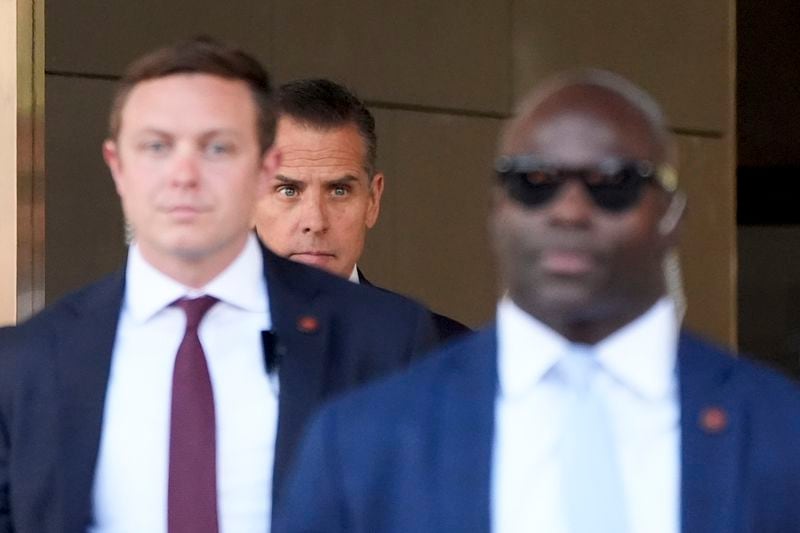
{"type": "Point", "coordinates": [632, 175]}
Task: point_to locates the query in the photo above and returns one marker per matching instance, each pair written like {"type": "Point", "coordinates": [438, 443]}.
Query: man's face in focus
{"type": "Point", "coordinates": [321, 203]}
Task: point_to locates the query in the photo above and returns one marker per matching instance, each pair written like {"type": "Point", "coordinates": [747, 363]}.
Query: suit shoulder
{"type": "Point", "coordinates": [378, 296]}
{"type": "Point", "coordinates": [32, 337]}
{"type": "Point", "coordinates": [307, 278]}
{"type": "Point", "coordinates": [449, 328]}
{"type": "Point", "coordinates": [405, 390]}
{"type": "Point", "coordinates": [446, 328]}
{"type": "Point", "coordinates": [763, 387]}
{"type": "Point", "coordinates": [108, 289]}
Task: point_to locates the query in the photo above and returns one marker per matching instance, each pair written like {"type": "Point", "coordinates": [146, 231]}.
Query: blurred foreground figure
{"type": "Point", "coordinates": [170, 396]}
{"type": "Point", "coordinates": [585, 408]}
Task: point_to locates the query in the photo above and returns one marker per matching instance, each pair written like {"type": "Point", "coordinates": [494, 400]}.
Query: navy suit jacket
{"type": "Point", "coordinates": [446, 328]}
{"type": "Point", "coordinates": [54, 372]}
{"type": "Point", "coordinates": [414, 452]}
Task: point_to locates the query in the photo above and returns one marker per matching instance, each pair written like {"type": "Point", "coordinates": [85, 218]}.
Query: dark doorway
{"type": "Point", "coordinates": [768, 211]}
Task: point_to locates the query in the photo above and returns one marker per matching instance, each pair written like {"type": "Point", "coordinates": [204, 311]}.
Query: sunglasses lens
{"type": "Point", "coordinates": [616, 191]}
{"type": "Point", "coordinates": [529, 189]}
{"type": "Point", "coordinates": [614, 188]}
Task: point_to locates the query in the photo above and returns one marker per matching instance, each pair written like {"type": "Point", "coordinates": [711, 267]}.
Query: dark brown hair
{"type": "Point", "coordinates": [200, 55]}
{"type": "Point", "coordinates": [325, 104]}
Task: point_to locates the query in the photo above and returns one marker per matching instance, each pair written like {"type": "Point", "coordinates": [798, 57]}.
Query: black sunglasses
{"type": "Point", "coordinates": [614, 185]}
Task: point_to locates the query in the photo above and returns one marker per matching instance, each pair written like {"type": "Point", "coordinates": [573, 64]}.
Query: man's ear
{"type": "Point", "coordinates": [112, 159]}
{"type": "Point", "coordinates": [670, 222]}
{"type": "Point", "coordinates": [375, 194]}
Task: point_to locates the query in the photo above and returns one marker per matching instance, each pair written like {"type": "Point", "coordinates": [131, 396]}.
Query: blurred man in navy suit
{"type": "Point", "coordinates": [169, 397]}
{"type": "Point", "coordinates": [585, 408]}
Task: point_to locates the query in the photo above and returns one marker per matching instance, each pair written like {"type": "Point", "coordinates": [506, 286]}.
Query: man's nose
{"type": "Point", "coordinates": [572, 204]}
{"type": "Point", "coordinates": [315, 214]}
{"type": "Point", "coordinates": [186, 169]}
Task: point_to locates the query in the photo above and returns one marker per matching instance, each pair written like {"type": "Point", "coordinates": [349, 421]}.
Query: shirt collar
{"type": "Point", "coordinates": [241, 284]}
{"type": "Point", "coordinates": [527, 349]}
{"type": "Point", "coordinates": [354, 277]}
{"type": "Point", "coordinates": [640, 356]}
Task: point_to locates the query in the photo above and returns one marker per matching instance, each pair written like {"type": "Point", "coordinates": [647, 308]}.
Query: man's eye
{"type": "Point", "coordinates": [215, 149]}
{"type": "Point", "coordinates": [340, 190]}
{"type": "Point", "coordinates": [156, 147]}
{"type": "Point", "coordinates": [289, 191]}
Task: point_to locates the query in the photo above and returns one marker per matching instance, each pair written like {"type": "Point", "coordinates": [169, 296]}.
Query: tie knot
{"type": "Point", "coordinates": [195, 309]}
{"type": "Point", "coordinates": [578, 367]}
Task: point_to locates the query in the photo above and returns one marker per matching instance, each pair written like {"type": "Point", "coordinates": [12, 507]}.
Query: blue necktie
{"type": "Point", "coordinates": [592, 490]}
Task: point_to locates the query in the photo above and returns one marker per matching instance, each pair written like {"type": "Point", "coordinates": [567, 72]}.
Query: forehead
{"type": "Point", "coordinates": [583, 126]}
{"type": "Point", "coordinates": [312, 148]}
{"type": "Point", "coordinates": [189, 101]}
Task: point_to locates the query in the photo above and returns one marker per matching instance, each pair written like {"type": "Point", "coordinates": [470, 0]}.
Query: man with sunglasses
{"type": "Point", "coordinates": [585, 408]}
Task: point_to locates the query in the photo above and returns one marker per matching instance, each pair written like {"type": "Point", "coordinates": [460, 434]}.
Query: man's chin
{"type": "Point", "coordinates": [565, 297]}
{"type": "Point", "coordinates": [323, 261]}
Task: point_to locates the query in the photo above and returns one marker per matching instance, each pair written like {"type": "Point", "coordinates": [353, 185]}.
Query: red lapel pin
{"type": "Point", "coordinates": [713, 420]}
{"type": "Point", "coordinates": [308, 324]}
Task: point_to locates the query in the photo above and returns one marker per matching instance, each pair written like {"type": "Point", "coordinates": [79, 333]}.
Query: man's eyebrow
{"type": "Point", "coordinates": [287, 179]}
{"type": "Point", "coordinates": [156, 130]}
{"type": "Point", "coordinates": [344, 180]}
{"type": "Point", "coordinates": [220, 131]}
{"type": "Point", "coordinates": [153, 131]}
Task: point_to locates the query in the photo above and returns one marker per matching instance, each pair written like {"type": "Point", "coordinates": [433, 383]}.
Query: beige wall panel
{"type": "Point", "coordinates": [431, 238]}
{"type": "Point", "coordinates": [84, 229]}
{"type": "Point", "coordinates": [8, 163]}
{"type": "Point", "coordinates": [708, 250]}
{"type": "Point", "coordinates": [678, 50]}
{"type": "Point", "coordinates": [94, 37]}
{"type": "Point", "coordinates": [441, 54]}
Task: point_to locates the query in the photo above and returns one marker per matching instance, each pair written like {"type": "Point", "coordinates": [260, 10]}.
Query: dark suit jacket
{"type": "Point", "coordinates": [413, 453]}
{"type": "Point", "coordinates": [54, 371]}
{"type": "Point", "coordinates": [446, 328]}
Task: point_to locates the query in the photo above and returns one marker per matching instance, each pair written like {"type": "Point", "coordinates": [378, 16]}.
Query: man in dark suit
{"type": "Point", "coordinates": [585, 407]}
{"type": "Point", "coordinates": [327, 192]}
{"type": "Point", "coordinates": [169, 397]}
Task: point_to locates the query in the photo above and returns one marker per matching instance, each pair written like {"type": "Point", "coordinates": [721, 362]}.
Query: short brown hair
{"type": "Point", "coordinates": [200, 55]}
{"type": "Point", "coordinates": [324, 104]}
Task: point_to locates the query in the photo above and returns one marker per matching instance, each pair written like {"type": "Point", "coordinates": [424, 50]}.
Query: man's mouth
{"type": "Point", "coordinates": [313, 257]}
{"type": "Point", "coordinates": [566, 262]}
{"type": "Point", "coordinates": [184, 211]}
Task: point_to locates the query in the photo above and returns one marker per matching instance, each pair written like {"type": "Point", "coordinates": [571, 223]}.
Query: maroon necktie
{"type": "Point", "coordinates": [192, 500]}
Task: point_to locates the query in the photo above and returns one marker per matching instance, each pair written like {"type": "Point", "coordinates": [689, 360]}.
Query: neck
{"type": "Point", "coordinates": [592, 326]}
{"type": "Point", "coordinates": [194, 270]}
{"type": "Point", "coordinates": [594, 331]}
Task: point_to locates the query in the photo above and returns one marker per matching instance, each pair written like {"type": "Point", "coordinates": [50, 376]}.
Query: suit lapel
{"type": "Point", "coordinates": [466, 426]}
{"type": "Point", "coordinates": [85, 341]}
{"type": "Point", "coordinates": [711, 440]}
{"type": "Point", "coordinates": [302, 327]}
{"type": "Point", "coordinates": [363, 280]}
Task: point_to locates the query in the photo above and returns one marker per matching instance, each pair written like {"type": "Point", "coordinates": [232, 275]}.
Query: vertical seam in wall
{"type": "Point", "coordinates": [271, 43]}
{"type": "Point", "coordinates": [733, 155]}
{"type": "Point", "coordinates": [39, 181]}
{"type": "Point", "coordinates": [510, 59]}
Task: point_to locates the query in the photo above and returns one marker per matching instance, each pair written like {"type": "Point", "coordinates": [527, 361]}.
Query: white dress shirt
{"type": "Point", "coordinates": [638, 383]}
{"type": "Point", "coordinates": [130, 487]}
